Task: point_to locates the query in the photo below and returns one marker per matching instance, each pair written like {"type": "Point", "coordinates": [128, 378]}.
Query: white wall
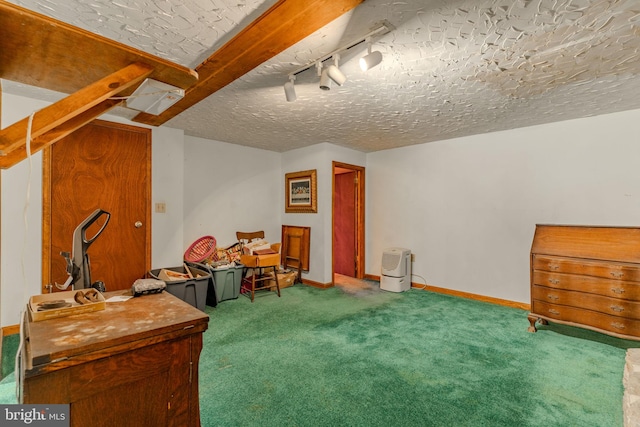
{"type": "Point", "coordinates": [319, 157]}
{"type": "Point", "coordinates": [467, 207]}
{"type": "Point", "coordinates": [20, 221]}
{"type": "Point", "coordinates": [21, 235]}
{"type": "Point", "coordinates": [167, 231]}
{"type": "Point", "coordinates": [167, 187]}
{"type": "Point", "coordinates": [229, 188]}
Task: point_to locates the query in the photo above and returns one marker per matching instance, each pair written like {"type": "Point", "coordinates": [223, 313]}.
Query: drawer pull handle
{"type": "Point", "coordinates": [553, 266]}
{"type": "Point", "coordinates": [617, 325]}
{"type": "Point", "coordinates": [617, 308]}
{"type": "Point", "coordinates": [554, 281]}
{"type": "Point", "coordinates": [552, 311]}
{"type": "Point", "coordinates": [617, 290]}
{"type": "Point", "coordinates": [553, 297]}
{"type": "Point", "coordinates": [616, 274]}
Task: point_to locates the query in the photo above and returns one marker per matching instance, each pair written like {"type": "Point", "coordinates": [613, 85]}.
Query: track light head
{"type": "Point", "coordinates": [290, 90]}
{"type": "Point", "coordinates": [325, 81]}
{"type": "Point", "coordinates": [336, 75]}
{"type": "Point", "coordinates": [371, 60]}
{"type": "Point", "coordinates": [334, 72]}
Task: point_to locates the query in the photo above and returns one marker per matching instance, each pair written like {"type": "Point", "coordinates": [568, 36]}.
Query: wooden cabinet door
{"type": "Point", "coordinates": [106, 166]}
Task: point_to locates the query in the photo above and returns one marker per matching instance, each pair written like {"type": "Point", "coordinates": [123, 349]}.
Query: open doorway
{"type": "Point", "coordinates": [348, 220]}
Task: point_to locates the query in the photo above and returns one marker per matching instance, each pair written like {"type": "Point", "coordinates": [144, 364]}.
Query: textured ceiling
{"type": "Point", "coordinates": [450, 68]}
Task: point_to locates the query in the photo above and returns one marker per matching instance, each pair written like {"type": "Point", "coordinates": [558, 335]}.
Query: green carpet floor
{"type": "Point", "coordinates": [332, 358]}
{"type": "Point", "coordinates": [10, 347]}
{"type": "Point", "coordinates": [372, 358]}
{"type": "Point", "coordinates": [7, 366]}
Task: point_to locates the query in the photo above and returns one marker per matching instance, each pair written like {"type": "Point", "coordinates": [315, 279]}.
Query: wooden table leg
{"type": "Point", "coordinates": [532, 323]}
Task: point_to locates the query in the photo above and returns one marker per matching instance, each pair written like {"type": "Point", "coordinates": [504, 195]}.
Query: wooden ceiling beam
{"type": "Point", "coordinates": [284, 24]}
{"type": "Point", "coordinates": [57, 133]}
{"type": "Point", "coordinates": [41, 51]}
{"type": "Point", "coordinates": [63, 116]}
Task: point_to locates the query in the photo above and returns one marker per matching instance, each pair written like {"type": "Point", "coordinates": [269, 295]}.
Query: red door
{"type": "Point", "coordinates": [344, 220]}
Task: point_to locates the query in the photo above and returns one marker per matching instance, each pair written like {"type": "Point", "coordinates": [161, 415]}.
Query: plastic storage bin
{"type": "Point", "coordinates": [192, 291]}
{"type": "Point", "coordinates": [226, 281]}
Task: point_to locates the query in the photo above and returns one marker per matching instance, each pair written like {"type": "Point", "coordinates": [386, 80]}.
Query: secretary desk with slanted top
{"type": "Point", "coordinates": [587, 276]}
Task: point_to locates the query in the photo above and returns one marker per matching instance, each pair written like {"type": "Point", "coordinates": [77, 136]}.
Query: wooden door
{"type": "Point", "coordinates": [104, 166]}
{"type": "Point", "coordinates": [348, 220]}
{"type": "Point", "coordinates": [344, 220]}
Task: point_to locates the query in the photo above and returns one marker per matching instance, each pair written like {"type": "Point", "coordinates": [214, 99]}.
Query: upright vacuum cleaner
{"type": "Point", "coordinates": [78, 265]}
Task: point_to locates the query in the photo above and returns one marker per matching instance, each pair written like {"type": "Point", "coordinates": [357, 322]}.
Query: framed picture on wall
{"type": "Point", "coordinates": [300, 192]}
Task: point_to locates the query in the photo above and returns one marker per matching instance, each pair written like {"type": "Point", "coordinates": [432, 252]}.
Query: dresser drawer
{"type": "Point", "coordinates": [588, 318]}
{"type": "Point", "coordinates": [606, 305]}
{"type": "Point", "coordinates": [588, 284]}
{"type": "Point", "coordinates": [595, 268]}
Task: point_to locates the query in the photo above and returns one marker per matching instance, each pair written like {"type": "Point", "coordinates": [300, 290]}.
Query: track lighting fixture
{"type": "Point", "coordinates": [370, 60]}
{"type": "Point", "coordinates": [289, 89]}
{"type": "Point", "coordinates": [325, 81]}
{"type": "Point", "coordinates": [333, 72]}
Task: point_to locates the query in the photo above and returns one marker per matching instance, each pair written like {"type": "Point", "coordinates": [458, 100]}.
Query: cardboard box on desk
{"type": "Point", "coordinates": [266, 257]}
{"type": "Point", "coordinates": [255, 261]}
{"type": "Point", "coordinates": [250, 248]}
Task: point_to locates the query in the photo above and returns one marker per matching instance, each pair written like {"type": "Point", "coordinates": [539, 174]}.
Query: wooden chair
{"type": "Point", "coordinates": [244, 237]}
{"type": "Point", "coordinates": [264, 267]}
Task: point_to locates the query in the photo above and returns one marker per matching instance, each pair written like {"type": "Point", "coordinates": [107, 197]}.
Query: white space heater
{"type": "Point", "coordinates": [396, 270]}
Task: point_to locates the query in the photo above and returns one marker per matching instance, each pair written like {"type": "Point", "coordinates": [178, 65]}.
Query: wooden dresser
{"type": "Point", "coordinates": [588, 277]}
{"type": "Point", "coordinates": [133, 364]}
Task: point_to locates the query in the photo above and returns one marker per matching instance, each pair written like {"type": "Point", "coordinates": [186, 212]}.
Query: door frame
{"type": "Point", "coordinates": [46, 202]}
{"type": "Point", "coordinates": [360, 199]}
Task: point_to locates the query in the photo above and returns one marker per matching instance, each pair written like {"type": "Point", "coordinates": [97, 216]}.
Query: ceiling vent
{"type": "Point", "coordinates": [154, 97]}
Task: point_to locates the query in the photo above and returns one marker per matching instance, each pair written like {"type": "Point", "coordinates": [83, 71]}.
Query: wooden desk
{"type": "Point", "coordinates": [133, 364]}
{"type": "Point", "coordinates": [587, 277]}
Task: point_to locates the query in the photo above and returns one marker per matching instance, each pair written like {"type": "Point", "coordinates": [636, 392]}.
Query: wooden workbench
{"type": "Point", "coordinates": [134, 363]}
